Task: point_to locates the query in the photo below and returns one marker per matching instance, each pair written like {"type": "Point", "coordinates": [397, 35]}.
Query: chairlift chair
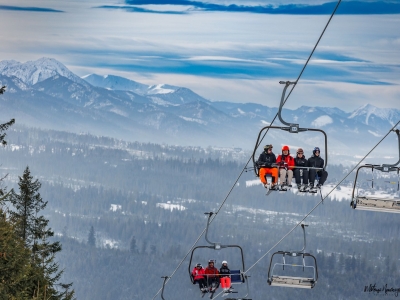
{"type": "Point", "coordinates": [306, 282]}
{"type": "Point", "coordinates": [366, 202]}
{"type": "Point", "coordinates": [237, 276]}
{"type": "Point", "coordinates": [290, 127]}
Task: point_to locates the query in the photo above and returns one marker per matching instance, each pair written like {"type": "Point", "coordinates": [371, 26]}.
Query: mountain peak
{"type": "Point", "coordinates": [370, 112]}
{"type": "Point", "coordinates": [32, 72]}
{"type": "Point", "coordinates": [113, 82]}
{"type": "Point", "coordinates": [368, 109]}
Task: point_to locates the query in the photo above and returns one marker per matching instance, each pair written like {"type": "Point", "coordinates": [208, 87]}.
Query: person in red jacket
{"type": "Point", "coordinates": [198, 275]}
{"type": "Point", "coordinates": [286, 166]}
{"type": "Point", "coordinates": [212, 276]}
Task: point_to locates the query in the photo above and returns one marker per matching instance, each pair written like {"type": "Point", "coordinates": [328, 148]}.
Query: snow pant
{"type": "Point", "coordinates": [301, 174]}
{"type": "Point", "coordinates": [283, 173]}
{"type": "Point", "coordinates": [202, 282]}
{"type": "Point", "coordinates": [225, 282]}
{"type": "Point", "coordinates": [272, 171]}
{"type": "Point", "coordinates": [212, 280]}
{"type": "Point", "coordinates": [323, 175]}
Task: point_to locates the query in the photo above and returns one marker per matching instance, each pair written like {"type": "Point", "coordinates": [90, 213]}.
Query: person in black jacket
{"type": "Point", "coordinates": [265, 164]}
{"type": "Point", "coordinates": [225, 272]}
{"type": "Point", "coordinates": [316, 161]}
{"type": "Point", "coordinates": [301, 173]}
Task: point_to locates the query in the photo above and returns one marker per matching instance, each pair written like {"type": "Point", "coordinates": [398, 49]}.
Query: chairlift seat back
{"type": "Point", "coordinates": [295, 282]}
{"type": "Point", "coordinates": [236, 277]}
{"type": "Point", "coordinates": [377, 204]}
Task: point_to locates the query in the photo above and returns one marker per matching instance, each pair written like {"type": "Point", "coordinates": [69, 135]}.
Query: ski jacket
{"type": "Point", "coordinates": [289, 160]}
{"type": "Point", "coordinates": [266, 160]}
{"type": "Point", "coordinates": [211, 272]}
{"type": "Point", "coordinates": [224, 271]}
{"type": "Point", "coordinates": [301, 161]}
{"type": "Point", "coordinates": [315, 162]}
{"type": "Point", "coordinates": [198, 273]}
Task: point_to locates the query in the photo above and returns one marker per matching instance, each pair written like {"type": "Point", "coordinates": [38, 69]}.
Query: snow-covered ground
{"type": "Point", "coordinates": [170, 206]}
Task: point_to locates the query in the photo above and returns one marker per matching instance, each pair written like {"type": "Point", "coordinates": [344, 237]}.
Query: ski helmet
{"type": "Point", "coordinates": [224, 262]}
{"type": "Point", "coordinates": [285, 148]}
{"type": "Point", "coordinates": [316, 149]}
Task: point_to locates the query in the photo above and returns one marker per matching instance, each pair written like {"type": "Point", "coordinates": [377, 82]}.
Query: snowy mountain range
{"type": "Point", "coordinates": [44, 93]}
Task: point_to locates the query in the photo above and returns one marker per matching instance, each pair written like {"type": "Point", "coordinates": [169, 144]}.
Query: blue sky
{"type": "Point", "coordinates": [234, 51]}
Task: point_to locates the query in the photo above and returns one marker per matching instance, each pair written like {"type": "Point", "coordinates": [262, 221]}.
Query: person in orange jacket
{"type": "Point", "coordinates": [286, 165]}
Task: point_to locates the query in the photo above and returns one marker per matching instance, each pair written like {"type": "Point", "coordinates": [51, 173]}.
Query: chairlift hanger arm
{"type": "Point", "coordinates": [355, 179]}
{"type": "Point", "coordinates": [287, 83]}
{"type": "Point", "coordinates": [216, 246]}
{"type": "Point", "coordinates": [397, 131]}
{"type": "Point", "coordinates": [162, 291]}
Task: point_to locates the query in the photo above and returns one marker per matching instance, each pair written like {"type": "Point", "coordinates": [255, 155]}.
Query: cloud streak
{"type": "Point", "coordinates": [345, 8]}
{"type": "Point", "coordinates": [30, 9]}
{"type": "Point", "coordinates": [334, 67]}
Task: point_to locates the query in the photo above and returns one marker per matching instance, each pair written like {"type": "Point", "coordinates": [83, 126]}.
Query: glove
{"type": "Point", "coordinates": [283, 165]}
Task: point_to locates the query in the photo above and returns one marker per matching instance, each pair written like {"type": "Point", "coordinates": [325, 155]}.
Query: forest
{"type": "Point", "coordinates": [127, 214]}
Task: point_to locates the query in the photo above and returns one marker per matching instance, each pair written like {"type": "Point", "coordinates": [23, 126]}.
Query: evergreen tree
{"type": "Point", "coordinates": [14, 263]}
{"type": "Point", "coordinates": [5, 126]}
{"type": "Point", "coordinates": [133, 245]}
{"type": "Point", "coordinates": [91, 238]}
{"type": "Point", "coordinates": [27, 205]}
{"type": "Point", "coordinates": [33, 230]}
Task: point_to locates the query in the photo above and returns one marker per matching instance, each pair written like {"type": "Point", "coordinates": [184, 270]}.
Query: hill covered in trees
{"type": "Point", "coordinates": [128, 213]}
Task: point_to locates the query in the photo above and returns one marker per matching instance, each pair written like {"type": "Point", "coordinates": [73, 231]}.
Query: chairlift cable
{"type": "Point", "coordinates": [315, 47]}
{"type": "Point", "coordinates": [304, 67]}
{"type": "Point", "coordinates": [244, 169]}
{"type": "Point", "coordinates": [299, 223]}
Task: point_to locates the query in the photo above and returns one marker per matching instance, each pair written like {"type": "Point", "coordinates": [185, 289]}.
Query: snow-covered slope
{"type": "Point", "coordinates": [112, 82]}
{"type": "Point", "coordinates": [374, 116]}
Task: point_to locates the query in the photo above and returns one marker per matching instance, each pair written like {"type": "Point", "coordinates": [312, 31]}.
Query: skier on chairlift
{"type": "Point", "coordinates": [198, 274]}
{"type": "Point", "coordinates": [265, 164]}
{"type": "Point", "coordinates": [301, 172]}
{"type": "Point", "coordinates": [286, 164]}
{"type": "Point", "coordinates": [315, 161]}
{"type": "Point", "coordinates": [212, 276]}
